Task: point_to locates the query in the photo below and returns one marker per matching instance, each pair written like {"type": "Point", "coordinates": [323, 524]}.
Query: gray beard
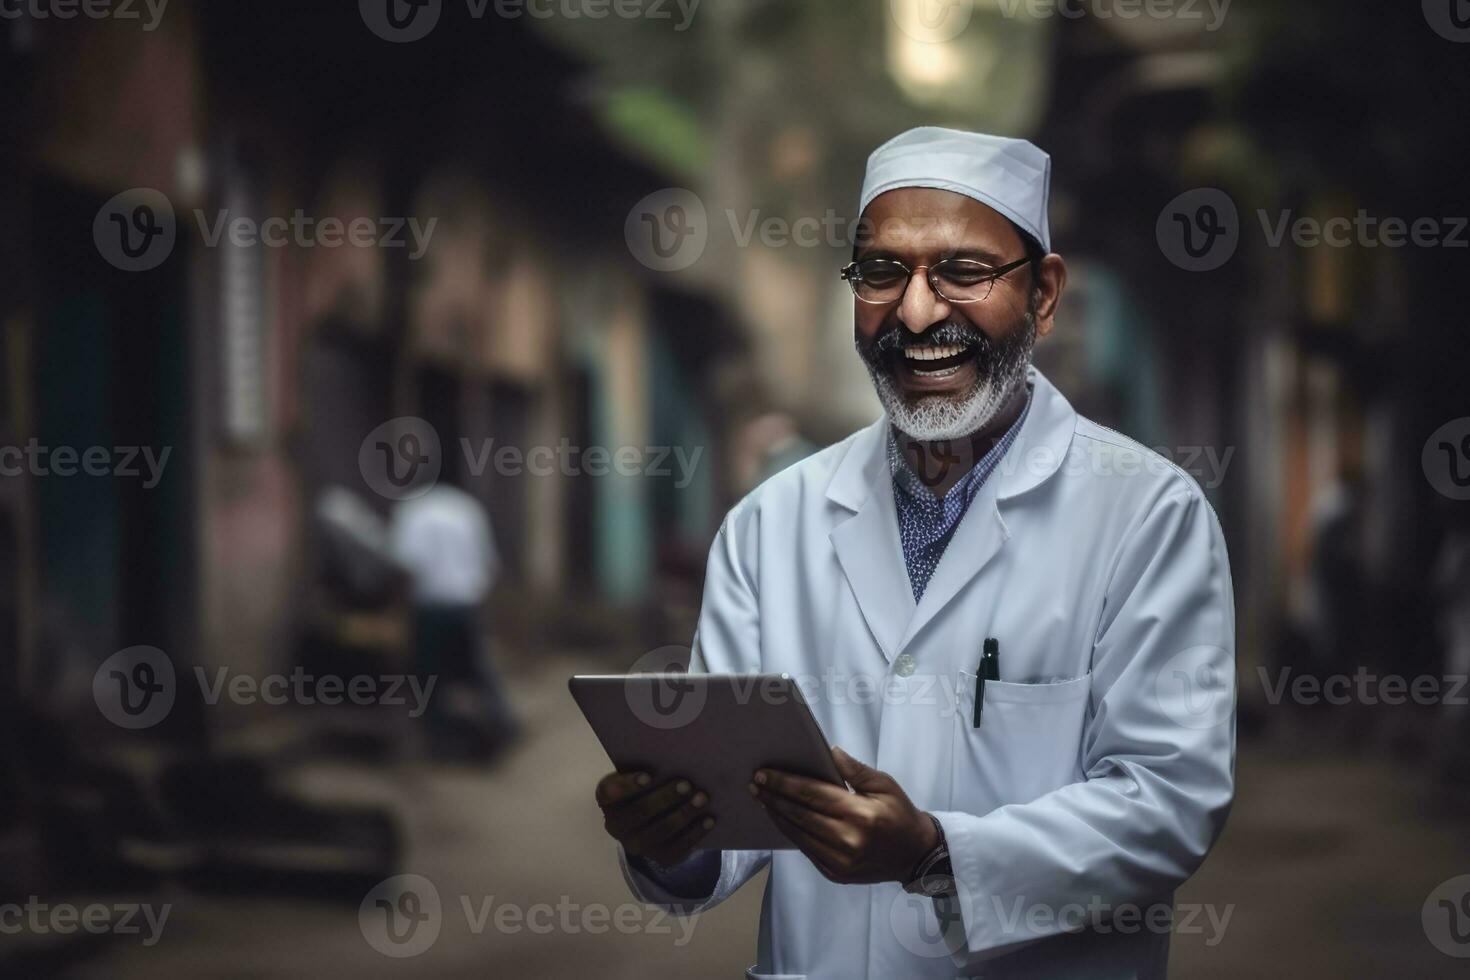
{"type": "Point", "coordinates": [933, 418]}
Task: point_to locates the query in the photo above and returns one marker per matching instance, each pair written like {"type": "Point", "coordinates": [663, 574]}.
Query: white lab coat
{"type": "Point", "coordinates": [1104, 764]}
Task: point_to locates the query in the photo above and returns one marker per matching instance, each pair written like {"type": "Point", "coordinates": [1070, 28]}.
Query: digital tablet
{"type": "Point", "coordinates": [715, 730]}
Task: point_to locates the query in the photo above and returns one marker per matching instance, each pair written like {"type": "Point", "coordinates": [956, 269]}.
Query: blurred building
{"type": "Point", "coordinates": [524, 323]}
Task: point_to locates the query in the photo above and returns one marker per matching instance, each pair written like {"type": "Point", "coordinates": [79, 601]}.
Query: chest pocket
{"type": "Point", "coordinates": [1029, 743]}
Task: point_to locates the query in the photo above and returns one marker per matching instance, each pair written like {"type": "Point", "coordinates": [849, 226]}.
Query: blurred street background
{"type": "Point", "coordinates": [350, 347]}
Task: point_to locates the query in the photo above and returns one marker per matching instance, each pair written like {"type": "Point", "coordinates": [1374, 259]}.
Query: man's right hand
{"type": "Point", "coordinates": [661, 823]}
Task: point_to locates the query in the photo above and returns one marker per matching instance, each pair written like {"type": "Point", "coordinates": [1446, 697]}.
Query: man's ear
{"type": "Point", "coordinates": [1051, 279]}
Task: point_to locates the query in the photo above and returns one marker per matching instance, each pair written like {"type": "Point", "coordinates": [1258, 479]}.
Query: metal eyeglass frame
{"type": "Point", "coordinates": [850, 275]}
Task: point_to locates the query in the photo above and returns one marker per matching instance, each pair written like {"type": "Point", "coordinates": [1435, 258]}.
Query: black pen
{"type": "Point", "coordinates": [989, 670]}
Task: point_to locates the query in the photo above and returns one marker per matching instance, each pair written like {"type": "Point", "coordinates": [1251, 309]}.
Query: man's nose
{"type": "Point", "coordinates": [921, 307]}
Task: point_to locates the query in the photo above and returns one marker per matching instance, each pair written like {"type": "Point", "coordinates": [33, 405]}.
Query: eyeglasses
{"type": "Point", "coordinates": [953, 280]}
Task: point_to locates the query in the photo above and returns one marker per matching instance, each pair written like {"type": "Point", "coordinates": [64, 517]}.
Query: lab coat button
{"type": "Point", "coordinates": [904, 665]}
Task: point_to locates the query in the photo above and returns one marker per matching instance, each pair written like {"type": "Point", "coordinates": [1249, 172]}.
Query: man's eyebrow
{"type": "Point", "coordinates": [976, 253]}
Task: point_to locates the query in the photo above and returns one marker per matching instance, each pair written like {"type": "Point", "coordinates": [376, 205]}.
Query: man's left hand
{"type": "Point", "coordinates": [872, 834]}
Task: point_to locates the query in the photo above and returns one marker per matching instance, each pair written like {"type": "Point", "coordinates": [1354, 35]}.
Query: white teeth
{"type": "Point", "coordinates": [931, 353]}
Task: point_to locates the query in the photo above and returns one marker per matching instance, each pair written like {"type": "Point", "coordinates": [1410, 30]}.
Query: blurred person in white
{"type": "Point", "coordinates": [980, 513]}
{"type": "Point", "coordinates": [443, 538]}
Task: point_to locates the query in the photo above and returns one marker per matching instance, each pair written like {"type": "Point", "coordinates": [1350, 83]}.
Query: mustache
{"type": "Point", "coordinates": [949, 333]}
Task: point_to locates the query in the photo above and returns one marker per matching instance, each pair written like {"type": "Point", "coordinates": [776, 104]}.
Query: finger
{"type": "Point", "coordinates": [829, 830]}
{"type": "Point", "coordinates": [814, 794]}
{"type": "Point", "coordinates": [659, 833]}
{"type": "Point", "coordinates": [827, 861]}
{"type": "Point", "coordinates": [625, 818]}
{"type": "Point", "coordinates": [861, 777]}
{"type": "Point", "coordinates": [683, 845]}
{"type": "Point", "coordinates": [617, 787]}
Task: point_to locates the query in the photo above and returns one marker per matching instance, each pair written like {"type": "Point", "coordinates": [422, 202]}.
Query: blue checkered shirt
{"type": "Point", "coordinates": [927, 522]}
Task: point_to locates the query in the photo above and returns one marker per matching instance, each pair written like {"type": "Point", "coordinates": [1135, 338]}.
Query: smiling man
{"type": "Point", "coordinates": [1028, 618]}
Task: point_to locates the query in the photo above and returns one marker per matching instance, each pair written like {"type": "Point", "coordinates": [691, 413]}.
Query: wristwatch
{"type": "Point", "coordinates": [933, 876]}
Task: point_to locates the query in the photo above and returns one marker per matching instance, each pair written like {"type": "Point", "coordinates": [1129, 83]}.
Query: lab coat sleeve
{"type": "Point", "coordinates": [726, 641]}
{"type": "Point", "coordinates": [1158, 752]}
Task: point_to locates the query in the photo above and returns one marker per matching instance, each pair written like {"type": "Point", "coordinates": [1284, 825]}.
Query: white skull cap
{"type": "Point", "coordinates": [1010, 175]}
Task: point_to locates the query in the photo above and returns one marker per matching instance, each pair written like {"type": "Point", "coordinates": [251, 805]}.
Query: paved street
{"type": "Point", "coordinates": [528, 833]}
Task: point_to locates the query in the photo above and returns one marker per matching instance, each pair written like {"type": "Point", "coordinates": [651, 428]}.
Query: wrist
{"type": "Point", "coordinates": [928, 837]}
{"type": "Point", "coordinates": [933, 874]}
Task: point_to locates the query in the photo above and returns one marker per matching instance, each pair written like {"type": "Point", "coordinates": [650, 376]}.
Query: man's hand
{"type": "Point", "coordinates": [662, 823]}
{"type": "Point", "coordinates": [870, 835]}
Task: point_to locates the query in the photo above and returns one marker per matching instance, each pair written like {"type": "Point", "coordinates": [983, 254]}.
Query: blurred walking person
{"type": "Point", "coordinates": [444, 540]}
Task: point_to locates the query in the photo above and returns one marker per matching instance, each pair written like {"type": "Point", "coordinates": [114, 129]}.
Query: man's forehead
{"type": "Point", "coordinates": [917, 219]}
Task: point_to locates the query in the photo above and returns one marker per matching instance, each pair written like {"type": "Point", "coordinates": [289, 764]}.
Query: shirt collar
{"type": "Point", "coordinates": [908, 481]}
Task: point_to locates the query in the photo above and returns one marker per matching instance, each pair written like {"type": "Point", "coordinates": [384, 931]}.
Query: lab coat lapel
{"type": "Point", "coordinates": [867, 544]}
{"type": "Point", "coordinates": [979, 537]}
